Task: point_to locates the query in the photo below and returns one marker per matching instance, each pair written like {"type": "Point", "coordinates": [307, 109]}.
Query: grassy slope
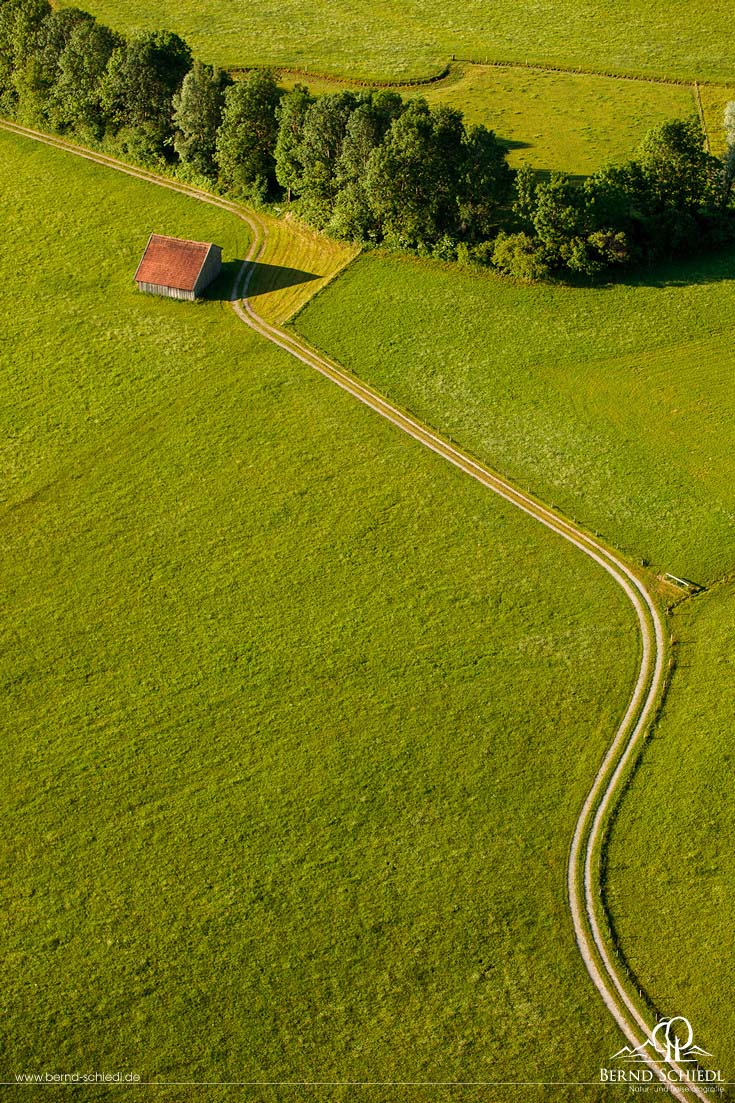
{"type": "Point", "coordinates": [714, 98]}
{"type": "Point", "coordinates": [570, 122]}
{"type": "Point", "coordinates": [296, 263]}
{"type": "Point", "coordinates": [301, 718]}
{"type": "Point", "coordinates": [400, 38]}
{"type": "Point", "coordinates": [671, 872]}
{"type": "Point", "coordinates": [614, 403]}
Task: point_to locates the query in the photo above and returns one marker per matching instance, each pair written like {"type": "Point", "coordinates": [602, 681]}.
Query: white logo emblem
{"type": "Point", "coordinates": [672, 1040]}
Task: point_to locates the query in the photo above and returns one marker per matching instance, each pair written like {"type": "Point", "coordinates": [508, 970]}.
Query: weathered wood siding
{"type": "Point", "coordinates": [168, 292]}
{"type": "Point", "coordinates": [210, 269]}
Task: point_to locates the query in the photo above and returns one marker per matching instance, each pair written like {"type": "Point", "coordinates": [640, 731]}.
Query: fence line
{"type": "Point", "coordinates": [453, 66]}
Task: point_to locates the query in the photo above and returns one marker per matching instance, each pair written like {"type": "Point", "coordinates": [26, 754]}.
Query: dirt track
{"type": "Point", "coordinates": [585, 902]}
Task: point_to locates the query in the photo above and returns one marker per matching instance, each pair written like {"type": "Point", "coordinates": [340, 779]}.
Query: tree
{"type": "Point", "coordinates": [486, 183]}
{"type": "Point", "coordinates": [611, 246]}
{"type": "Point", "coordinates": [412, 179]}
{"type": "Point", "coordinates": [679, 172]}
{"type": "Point", "coordinates": [78, 92]}
{"type": "Point", "coordinates": [520, 256]}
{"type": "Point", "coordinates": [36, 79]}
{"type": "Point", "coordinates": [20, 21]}
{"type": "Point", "coordinates": [198, 109]}
{"type": "Point", "coordinates": [363, 133]}
{"type": "Point", "coordinates": [246, 142]}
{"type": "Point", "coordinates": [325, 126]}
{"type": "Point", "coordinates": [352, 216]}
{"type": "Point", "coordinates": [366, 128]}
{"type": "Point", "coordinates": [447, 167]}
{"type": "Point", "coordinates": [561, 222]}
{"type": "Point", "coordinates": [524, 192]}
{"type": "Point", "coordinates": [138, 89]}
{"type": "Point", "coordinates": [611, 193]}
{"type": "Point", "coordinates": [560, 213]}
{"type": "Point", "coordinates": [291, 113]}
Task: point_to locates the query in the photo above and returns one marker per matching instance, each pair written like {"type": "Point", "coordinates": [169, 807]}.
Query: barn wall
{"type": "Point", "coordinates": [210, 269]}
{"type": "Point", "coordinates": [167, 292]}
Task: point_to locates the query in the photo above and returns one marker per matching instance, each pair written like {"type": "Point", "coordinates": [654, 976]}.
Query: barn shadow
{"type": "Point", "coordinates": [265, 278]}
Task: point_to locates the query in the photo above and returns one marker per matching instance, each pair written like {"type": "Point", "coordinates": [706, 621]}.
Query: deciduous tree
{"type": "Point", "coordinates": [325, 126]}
{"type": "Point", "coordinates": [138, 89]}
{"type": "Point", "coordinates": [77, 94]}
{"type": "Point", "coordinates": [412, 179]}
{"type": "Point", "coordinates": [520, 256]}
{"type": "Point", "coordinates": [486, 183]}
{"type": "Point", "coordinates": [36, 79]}
{"type": "Point", "coordinates": [291, 114]}
{"type": "Point", "coordinates": [198, 107]}
{"type": "Point", "coordinates": [246, 142]}
{"type": "Point", "coordinates": [678, 170]}
{"type": "Point", "coordinates": [20, 21]}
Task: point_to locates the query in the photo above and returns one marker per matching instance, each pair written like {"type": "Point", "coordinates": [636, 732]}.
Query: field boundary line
{"type": "Point", "coordinates": [584, 71]}
{"type": "Point", "coordinates": [700, 112]}
{"type": "Point", "coordinates": [454, 68]}
{"type": "Point", "coordinates": [585, 905]}
{"type": "Point", "coordinates": [353, 82]}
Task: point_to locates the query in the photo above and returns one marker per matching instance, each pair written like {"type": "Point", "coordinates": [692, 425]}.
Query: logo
{"type": "Point", "coordinates": [672, 1040]}
{"type": "Point", "coordinates": [668, 1055]}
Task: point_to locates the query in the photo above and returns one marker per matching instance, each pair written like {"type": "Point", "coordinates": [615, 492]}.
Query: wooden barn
{"type": "Point", "coordinates": [176, 268]}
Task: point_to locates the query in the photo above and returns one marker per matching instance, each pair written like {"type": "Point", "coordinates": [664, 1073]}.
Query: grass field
{"type": "Point", "coordinates": [301, 719]}
{"type": "Point", "coordinates": [391, 39]}
{"type": "Point", "coordinates": [296, 264]}
{"type": "Point", "coordinates": [671, 870]}
{"type": "Point", "coordinates": [615, 403]}
{"type": "Point", "coordinates": [714, 98]}
{"type": "Point", "coordinates": [566, 121]}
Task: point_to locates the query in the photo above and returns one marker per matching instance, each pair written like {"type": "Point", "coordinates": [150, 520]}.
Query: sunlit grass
{"type": "Point", "coordinates": [671, 859]}
{"type": "Point", "coordinates": [714, 98]}
{"type": "Point", "coordinates": [299, 719]}
{"type": "Point", "coordinates": [295, 265]}
{"type": "Point", "coordinates": [391, 39]}
{"type": "Point", "coordinates": [615, 403]}
{"type": "Point", "coordinates": [571, 122]}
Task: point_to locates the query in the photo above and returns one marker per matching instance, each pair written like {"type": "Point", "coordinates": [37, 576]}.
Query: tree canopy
{"type": "Point", "coordinates": [138, 88]}
{"type": "Point", "coordinates": [366, 166]}
{"type": "Point", "coordinates": [198, 109]}
{"type": "Point", "coordinates": [246, 140]}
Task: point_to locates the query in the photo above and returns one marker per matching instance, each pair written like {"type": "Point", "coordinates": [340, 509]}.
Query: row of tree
{"type": "Point", "coordinates": [365, 166]}
{"type": "Point", "coordinates": [674, 198]}
{"type": "Point", "coordinates": [371, 167]}
{"type": "Point", "coordinates": [63, 70]}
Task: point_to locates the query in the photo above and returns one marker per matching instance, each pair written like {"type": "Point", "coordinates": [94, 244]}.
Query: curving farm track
{"type": "Point", "coordinates": [585, 901]}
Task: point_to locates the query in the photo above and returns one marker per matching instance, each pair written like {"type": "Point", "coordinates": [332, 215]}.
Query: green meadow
{"type": "Point", "coordinates": [399, 39]}
{"type": "Point", "coordinates": [572, 122]}
{"type": "Point", "coordinates": [299, 718]}
{"type": "Point", "coordinates": [615, 403]}
{"type": "Point", "coordinates": [714, 99]}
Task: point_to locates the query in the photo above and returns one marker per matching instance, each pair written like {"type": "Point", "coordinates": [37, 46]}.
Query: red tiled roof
{"type": "Point", "coordinates": [172, 262]}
